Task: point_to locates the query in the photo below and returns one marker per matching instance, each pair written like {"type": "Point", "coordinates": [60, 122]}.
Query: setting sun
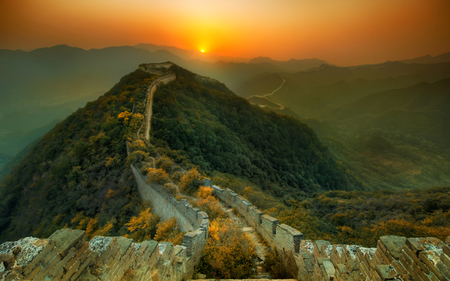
{"type": "Point", "coordinates": [203, 51]}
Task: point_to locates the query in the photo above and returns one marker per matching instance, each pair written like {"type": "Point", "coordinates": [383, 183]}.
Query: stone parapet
{"type": "Point", "coordinates": [395, 258]}
{"type": "Point", "coordinates": [66, 255]}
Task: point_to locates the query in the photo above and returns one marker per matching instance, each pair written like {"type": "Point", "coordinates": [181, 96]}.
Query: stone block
{"type": "Point", "coordinates": [445, 259]}
{"type": "Point", "coordinates": [67, 238]}
{"type": "Point", "coordinates": [409, 253]}
{"type": "Point", "coordinates": [330, 271]}
{"type": "Point", "coordinates": [54, 272]}
{"type": "Point", "coordinates": [386, 272]}
{"type": "Point", "coordinates": [430, 259]}
{"type": "Point", "coordinates": [393, 245]}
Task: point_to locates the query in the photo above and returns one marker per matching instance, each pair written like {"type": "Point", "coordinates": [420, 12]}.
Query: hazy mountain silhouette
{"type": "Point", "coordinates": [292, 65]}
{"type": "Point", "coordinates": [429, 59]}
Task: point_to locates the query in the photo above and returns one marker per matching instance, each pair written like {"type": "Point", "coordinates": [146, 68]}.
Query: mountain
{"type": "Point", "coordinates": [78, 174]}
{"type": "Point", "coordinates": [312, 92]}
{"type": "Point", "coordinates": [387, 122]}
{"type": "Point", "coordinates": [45, 84]}
{"type": "Point", "coordinates": [291, 65]}
{"type": "Point", "coordinates": [392, 139]}
{"type": "Point", "coordinates": [421, 109]}
{"type": "Point", "coordinates": [187, 54]}
{"type": "Point", "coordinates": [27, 140]}
{"type": "Point", "coordinates": [429, 59]}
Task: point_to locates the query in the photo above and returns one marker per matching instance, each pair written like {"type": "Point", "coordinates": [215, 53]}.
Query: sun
{"type": "Point", "coordinates": [202, 51]}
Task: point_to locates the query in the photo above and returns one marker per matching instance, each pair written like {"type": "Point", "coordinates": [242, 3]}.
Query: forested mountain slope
{"type": "Point", "coordinates": [77, 175]}
{"type": "Point", "coordinates": [221, 131]}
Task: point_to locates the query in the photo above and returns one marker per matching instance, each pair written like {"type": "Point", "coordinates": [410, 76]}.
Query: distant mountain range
{"type": "Point", "coordinates": [45, 84]}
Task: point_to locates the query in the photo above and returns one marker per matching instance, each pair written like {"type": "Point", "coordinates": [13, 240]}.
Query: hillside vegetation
{"type": "Point", "coordinates": [387, 123]}
{"type": "Point", "coordinates": [76, 175]}
{"type": "Point", "coordinates": [220, 131]}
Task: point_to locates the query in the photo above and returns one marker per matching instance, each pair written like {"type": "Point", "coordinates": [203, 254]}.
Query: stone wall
{"type": "Point", "coordinates": [151, 90]}
{"type": "Point", "coordinates": [66, 255]}
{"type": "Point", "coordinates": [155, 68]}
{"type": "Point", "coordinates": [394, 258]}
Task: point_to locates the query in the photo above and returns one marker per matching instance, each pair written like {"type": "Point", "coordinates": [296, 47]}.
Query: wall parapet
{"type": "Point", "coordinates": [67, 255]}
{"type": "Point", "coordinates": [394, 258]}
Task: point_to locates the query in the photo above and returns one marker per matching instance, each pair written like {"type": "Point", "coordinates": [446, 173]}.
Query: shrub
{"type": "Point", "coordinates": [171, 189]}
{"type": "Point", "coordinates": [228, 254]}
{"type": "Point", "coordinates": [157, 176]}
{"type": "Point", "coordinates": [190, 182]}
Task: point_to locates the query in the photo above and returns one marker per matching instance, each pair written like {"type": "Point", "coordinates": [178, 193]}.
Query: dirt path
{"type": "Point", "coordinates": [266, 96]}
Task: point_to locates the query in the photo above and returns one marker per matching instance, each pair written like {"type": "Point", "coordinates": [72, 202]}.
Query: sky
{"type": "Point", "coordinates": [342, 32]}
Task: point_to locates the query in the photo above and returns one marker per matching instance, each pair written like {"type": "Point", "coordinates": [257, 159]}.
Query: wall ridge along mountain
{"type": "Point", "coordinates": [68, 255]}
{"type": "Point", "coordinates": [155, 68]}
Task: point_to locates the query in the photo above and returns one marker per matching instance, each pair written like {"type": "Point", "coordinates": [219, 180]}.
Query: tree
{"type": "Point", "coordinates": [190, 182]}
{"type": "Point", "coordinates": [168, 231]}
{"type": "Point", "coordinates": [229, 253]}
{"type": "Point", "coordinates": [157, 176]}
{"type": "Point", "coordinates": [208, 203]}
{"type": "Point", "coordinates": [142, 227]}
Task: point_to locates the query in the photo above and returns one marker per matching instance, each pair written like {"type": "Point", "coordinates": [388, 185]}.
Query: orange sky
{"type": "Point", "coordinates": [343, 32]}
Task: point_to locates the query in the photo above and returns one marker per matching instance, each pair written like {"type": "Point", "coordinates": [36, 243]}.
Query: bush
{"type": "Point", "coordinates": [157, 176]}
{"type": "Point", "coordinates": [190, 182]}
{"type": "Point", "coordinates": [280, 266]}
{"type": "Point", "coordinates": [171, 189]}
{"type": "Point", "coordinates": [228, 254]}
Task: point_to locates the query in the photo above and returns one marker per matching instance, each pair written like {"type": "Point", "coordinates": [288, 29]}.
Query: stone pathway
{"type": "Point", "coordinates": [260, 249]}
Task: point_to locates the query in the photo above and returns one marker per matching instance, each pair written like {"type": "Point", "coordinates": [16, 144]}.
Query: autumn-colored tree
{"type": "Point", "coordinates": [90, 229]}
{"type": "Point", "coordinates": [136, 121]}
{"type": "Point", "coordinates": [168, 231]}
{"type": "Point", "coordinates": [208, 203]}
{"type": "Point", "coordinates": [109, 194]}
{"type": "Point", "coordinates": [136, 156]}
{"type": "Point", "coordinates": [171, 189]}
{"type": "Point", "coordinates": [142, 227]}
{"type": "Point", "coordinates": [401, 227]}
{"type": "Point", "coordinates": [105, 230]}
{"type": "Point", "coordinates": [190, 182]}
{"type": "Point", "coordinates": [228, 254]}
{"type": "Point", "coordinates": [157, 176]}
{"type": "Point", "coordinates": [137, 145]}
{"type": "Point", "coordinates": [125, 115]}
{"type": "Point", "coordinates": [165, 163]}
{"type": "Point", "coordinates": [81, 221]}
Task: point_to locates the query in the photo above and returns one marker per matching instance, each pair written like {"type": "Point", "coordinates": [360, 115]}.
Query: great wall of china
{"type": "Point", "coordinates": [68, 255]}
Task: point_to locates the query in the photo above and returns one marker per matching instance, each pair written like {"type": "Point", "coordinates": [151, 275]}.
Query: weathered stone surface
{"type": "Point", "coordinates": [100, 244]}
{"type": "Point", "coordinates": [67, 238]}
{"type": "Point", "coordinates": [207, 182]}
{"type": "Point", "coordinates": [24, 250]}
{"type": "Point", "coordinates": [447, 241]}
{"type": "Point", "coordinates": [393, 244]}
{"type": "Point", "coordinates": [386, 272]}
{"type": "Point", "coordinates": [329, 269]}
